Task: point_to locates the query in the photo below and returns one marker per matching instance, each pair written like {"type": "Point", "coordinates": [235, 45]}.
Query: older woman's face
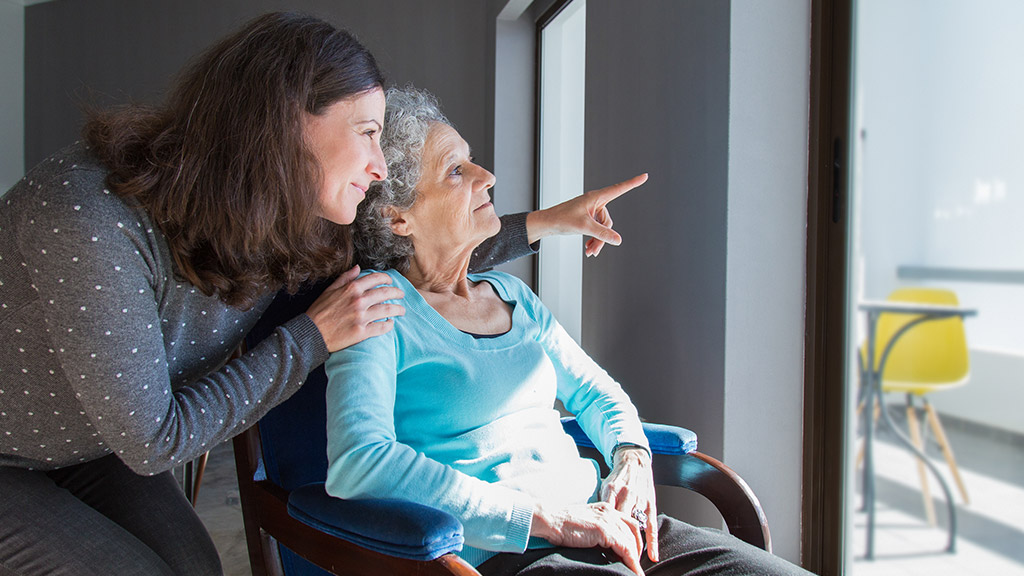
{"type": "Point", "coordinates": [346, 140]}
{"type": "Point", "coordinates": [452, 208]}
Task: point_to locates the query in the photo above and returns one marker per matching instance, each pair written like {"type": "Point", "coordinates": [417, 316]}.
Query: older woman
{"type": "Point", "coordinates": [454, 408]}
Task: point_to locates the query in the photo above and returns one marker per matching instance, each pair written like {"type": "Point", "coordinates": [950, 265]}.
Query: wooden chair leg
{"type": "Point", "coordinates": [947, 450]}
{"type": "Point", "coordinates": [200, 467]}
{"type": "Point", "coordinates": [915, 436]}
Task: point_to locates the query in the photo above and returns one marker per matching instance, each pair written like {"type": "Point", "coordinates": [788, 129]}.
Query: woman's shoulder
{"type": "Point", "coordinates": [70, 185]}
{"type": "Point", "coordinates": [513, 287]}
{"type": "Point", "coordinates": [396, 276]}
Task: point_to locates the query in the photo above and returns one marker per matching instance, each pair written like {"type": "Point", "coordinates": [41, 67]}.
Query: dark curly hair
{"type": "Point", "coordinates": [224, 168]}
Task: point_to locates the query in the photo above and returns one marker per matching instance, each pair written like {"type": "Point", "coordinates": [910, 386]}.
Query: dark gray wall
{"type": "Point", "coordinates": [113, 51]}
{"type": "Point", "coordinates": [657, 101]}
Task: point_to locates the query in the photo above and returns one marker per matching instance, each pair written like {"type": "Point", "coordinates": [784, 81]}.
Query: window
{"type": "Point", "coordinates": [562, 75]}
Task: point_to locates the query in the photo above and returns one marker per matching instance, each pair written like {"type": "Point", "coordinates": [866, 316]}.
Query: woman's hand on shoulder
{"type": "Point", "coordinates": [353, 309]}
{"type": "Point", "coordinates": [590, 525]}
{"type": "Point", "coordinates": [629, 488]}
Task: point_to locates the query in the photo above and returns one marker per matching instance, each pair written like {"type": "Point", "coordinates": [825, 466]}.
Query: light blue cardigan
{"type": "Point", "coordinates": [431, 414]}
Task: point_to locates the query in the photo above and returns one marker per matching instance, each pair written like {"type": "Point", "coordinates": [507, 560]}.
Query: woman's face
{"type": "Point", "coordinates": [452, 208]}
{"type": "Point", "coordinates": [346, 140]}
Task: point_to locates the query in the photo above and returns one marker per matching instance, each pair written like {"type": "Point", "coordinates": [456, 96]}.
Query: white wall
{"type": "Point", "coordinates": [12, 93]}
{"type": "Point", "coordinates": [767, 219]}
{"type": "Point", "coordinates": [942, 183]}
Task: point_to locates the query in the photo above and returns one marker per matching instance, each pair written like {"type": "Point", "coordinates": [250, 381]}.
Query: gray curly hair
{"type": "Point", "coordinates": [407, 120]}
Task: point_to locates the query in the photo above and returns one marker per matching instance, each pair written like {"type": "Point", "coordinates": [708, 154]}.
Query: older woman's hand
{"type": "Point", "coordinates": [590, 525]}
{"type": "Point", "coordinates": [629, 488]}
{"type": "Point", "coordinates": [353, 309]}
{"type": "Point", "coordinates": [586, 214]}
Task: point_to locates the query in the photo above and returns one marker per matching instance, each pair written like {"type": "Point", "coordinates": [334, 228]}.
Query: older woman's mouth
{"type": "Point", "coordinates": [484, 205]}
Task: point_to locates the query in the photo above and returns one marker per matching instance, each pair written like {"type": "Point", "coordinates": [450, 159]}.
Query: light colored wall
{"type": "Point", "coordinates": [765, 287]}
{"type": "Point", "coordinates": [942, 182]}
{"type": "Point", "coordinates": [12, 93]}
{"type": "Point", "coordinates": [993, 396]}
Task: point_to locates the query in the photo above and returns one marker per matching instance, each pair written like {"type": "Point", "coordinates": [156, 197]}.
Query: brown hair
{"type": "Point", "coordinates": [223, 167]}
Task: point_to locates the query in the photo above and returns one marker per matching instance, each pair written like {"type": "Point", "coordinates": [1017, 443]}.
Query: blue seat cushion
{"type": "Point", "coordinates": [393, 527]}
{"type": "Point", "coordinates": [664, 439]}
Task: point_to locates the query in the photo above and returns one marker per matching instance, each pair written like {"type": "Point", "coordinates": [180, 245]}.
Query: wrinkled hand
{"type": "Point", "coordinates": [586, 214]}
{"type": "Point", "coordinates": [349, 309]}
{"type": "Point", "coordinates": [630, 486]}
{"type": "Point", "coordinates": [590, 525]}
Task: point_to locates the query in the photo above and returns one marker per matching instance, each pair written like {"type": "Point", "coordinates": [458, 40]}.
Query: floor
{"type": "Point", "coordinates": [220, 511]}
{"type": "Point", "coordinates": [990, 533]}
{"type": "Point", "coordinates": [990, 536]}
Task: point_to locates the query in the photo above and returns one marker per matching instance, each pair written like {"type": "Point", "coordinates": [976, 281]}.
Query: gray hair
{"type": "Point", "coordinates": [407, 120]}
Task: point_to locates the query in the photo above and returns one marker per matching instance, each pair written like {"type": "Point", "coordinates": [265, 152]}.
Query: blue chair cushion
{"type": "Point", "coordinates": [664, 439]}
{"type": "Point", "coordinates": [393, 527]}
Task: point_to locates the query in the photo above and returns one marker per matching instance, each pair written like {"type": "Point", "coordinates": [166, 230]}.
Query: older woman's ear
{"type": "Point", "coordinates": [399, 225]}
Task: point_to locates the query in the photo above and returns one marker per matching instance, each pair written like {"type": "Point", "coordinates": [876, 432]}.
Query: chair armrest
{"type": "Point", "coordinates": [393, 527]}
{"type": "Point", "coordinates": [730, 494]}
{"type": "Point", "coordinates": [678, 463]}
{"type": "Point", "coordinates": [664, 439]}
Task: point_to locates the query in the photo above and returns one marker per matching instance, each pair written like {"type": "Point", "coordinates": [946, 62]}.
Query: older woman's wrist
{"type": "Point", "coordinates": [624, 453]}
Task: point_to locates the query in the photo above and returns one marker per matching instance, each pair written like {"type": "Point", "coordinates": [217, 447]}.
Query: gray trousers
{"type": "Point", "coordinates": [685, 550]}
{"type": "Point", "coordinates": [99, 518]}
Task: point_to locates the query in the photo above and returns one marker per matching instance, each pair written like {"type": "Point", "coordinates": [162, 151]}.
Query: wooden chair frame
{"type": "Point", "coordinates": [267, 522]}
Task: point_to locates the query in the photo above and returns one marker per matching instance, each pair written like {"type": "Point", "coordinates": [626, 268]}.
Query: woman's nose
{"type": "Point", "coordinates": [487, 178]}
{"type": "Point", "coordinates": [377, 167]}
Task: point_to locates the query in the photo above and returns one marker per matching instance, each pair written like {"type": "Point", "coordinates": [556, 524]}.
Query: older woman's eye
{"type": "Point", "coordinates": [371, 132]}
{"type": "Point", "coordinates": [457, 171]}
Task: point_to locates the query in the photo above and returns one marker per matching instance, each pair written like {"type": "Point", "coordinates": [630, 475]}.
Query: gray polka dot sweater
{"type": "Point", "coordinates": [103, 350]}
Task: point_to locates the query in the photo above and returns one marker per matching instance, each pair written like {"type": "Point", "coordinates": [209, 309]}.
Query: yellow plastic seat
{"type": "Point", "coordinates": [929, 357]}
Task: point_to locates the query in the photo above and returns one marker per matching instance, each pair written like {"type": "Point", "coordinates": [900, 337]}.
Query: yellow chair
{"type": "Point", "coordinates": [929, 357]}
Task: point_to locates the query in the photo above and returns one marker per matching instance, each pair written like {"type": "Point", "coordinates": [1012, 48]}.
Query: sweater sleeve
{"type": "Point", "coordinates": [103, 317]}
{"type": "Point", "coordinates": [365, 460]}
{"type": "Point", "coordinates": [601, 406]}
{"type": "Point", "coordinates": [509, 243]}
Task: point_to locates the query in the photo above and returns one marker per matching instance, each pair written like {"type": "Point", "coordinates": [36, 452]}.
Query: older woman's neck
{"type": "Point", "coordinates": [440, 273]}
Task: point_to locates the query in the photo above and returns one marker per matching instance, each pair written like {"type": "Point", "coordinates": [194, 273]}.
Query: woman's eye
{"type": "Point", "coordinates": [457, 171]}
{"type": "Point", "coordinates": [371, 132]}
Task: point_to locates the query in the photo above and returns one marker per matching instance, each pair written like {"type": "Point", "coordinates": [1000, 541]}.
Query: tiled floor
{"type": "Point", "coordinates": [990, 535]}
{"type": "Point", "coordinates": [991, 528]}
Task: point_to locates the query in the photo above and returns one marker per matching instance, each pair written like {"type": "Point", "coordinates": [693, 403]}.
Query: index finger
{"type": "Point", "coordinates": [609, 193]}
{"type": "Point", "coordinates": [371, 281]}
{"type": "Point", "coordinates": [652, 532]}
{"type": "Point", "coordinates": [629, 551]}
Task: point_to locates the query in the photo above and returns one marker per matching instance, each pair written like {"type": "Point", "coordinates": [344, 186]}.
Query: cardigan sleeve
{"type": "Point", "coordinates": [509, 243]}
{"type": "Point", "coordinates": [365, 460]}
